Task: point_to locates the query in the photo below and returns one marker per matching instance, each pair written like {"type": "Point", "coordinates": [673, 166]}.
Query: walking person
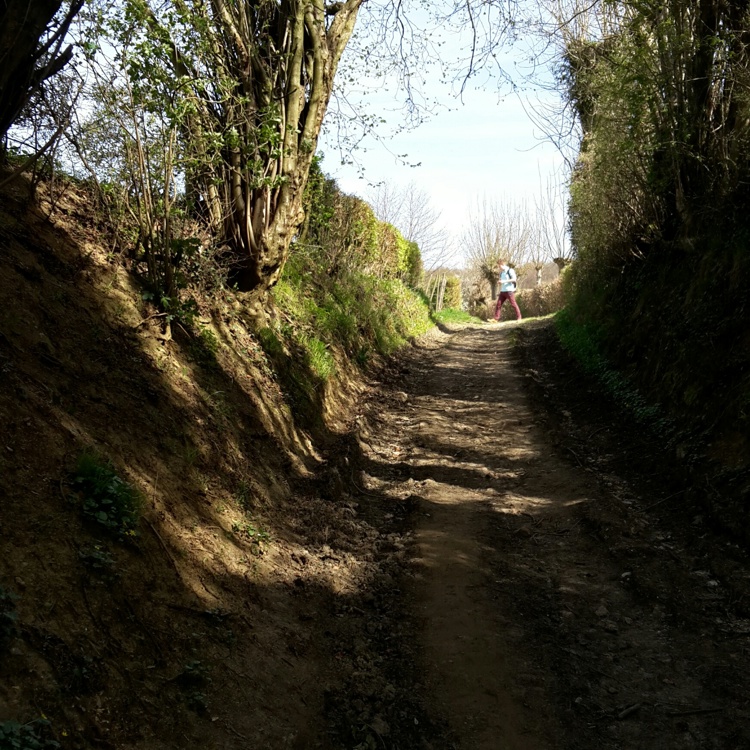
{"type": "Point", "coordinates": [508, 285]}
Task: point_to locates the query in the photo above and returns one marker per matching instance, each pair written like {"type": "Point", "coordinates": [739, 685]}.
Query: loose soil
{"type": "Point", "coordinates": [474, 549]}
{"type": "Point", "coordinates": [566, 595]}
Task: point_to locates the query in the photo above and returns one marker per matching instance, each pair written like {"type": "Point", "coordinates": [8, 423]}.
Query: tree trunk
{"type": "Point", "coordinates": [22, 24]}
{"type": "Point", "coordinates": [441, 294]}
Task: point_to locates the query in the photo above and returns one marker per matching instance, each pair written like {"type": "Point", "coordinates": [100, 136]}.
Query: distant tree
{"type": "Point", "coordinates": [537, 255]}
{"type": "Point", "coordinates": [497, 230]}
{"type": "Point", "coordinates": [551, 228]}
{"type": "Point", "coordinates": [410, 210]}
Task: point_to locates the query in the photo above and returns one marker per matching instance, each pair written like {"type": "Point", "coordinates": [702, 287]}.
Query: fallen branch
{"type": "Point", "coordinates": [150, 317]}
{"type": "Point", "coordinates": [664, 500]}
{"type": "Point", "coordinates": [165, 548]}
{"type": "Point", "coordinates": [596, 432]}
{"type": "Point", "coordinates": [575, 455]}
{"type": "Point", "coordinates": [234, 731]}
{"type": "Point", "coordinates": [629, 711]}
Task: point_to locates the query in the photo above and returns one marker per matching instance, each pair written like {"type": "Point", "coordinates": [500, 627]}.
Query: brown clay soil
{"type": "Point", "coordinates": [474, 549]}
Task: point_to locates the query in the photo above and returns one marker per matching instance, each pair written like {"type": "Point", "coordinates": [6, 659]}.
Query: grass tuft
{"type": "Point", "coordinates": [34, 735]}
{"type": "Point", "coordinates": [358, 314]}
{"type": "Point", "coordinates": [451, 315]}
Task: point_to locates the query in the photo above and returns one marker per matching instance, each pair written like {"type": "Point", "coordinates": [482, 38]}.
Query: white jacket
{"type": "Point", "coordinates": [508, 280]}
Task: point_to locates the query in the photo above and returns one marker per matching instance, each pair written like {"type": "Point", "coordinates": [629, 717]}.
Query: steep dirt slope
{"type": "Point", "coordinates": [215, 626]}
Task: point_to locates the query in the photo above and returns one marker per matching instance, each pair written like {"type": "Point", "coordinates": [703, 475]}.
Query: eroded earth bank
{"type": "Point", "coordinates": [554, 586]}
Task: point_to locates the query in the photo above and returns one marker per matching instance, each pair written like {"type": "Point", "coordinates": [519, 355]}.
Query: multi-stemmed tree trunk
{"type": "Point", "coordinates": [249, 83]}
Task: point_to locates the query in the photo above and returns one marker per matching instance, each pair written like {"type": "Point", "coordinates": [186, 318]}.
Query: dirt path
{"type": "Point", "coordinates": [555, 611]}
{"type": "Point", "coordinates": [493, 559]}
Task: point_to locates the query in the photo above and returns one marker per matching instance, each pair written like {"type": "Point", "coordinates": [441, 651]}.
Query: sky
{"type": "Point", "coordinates": [480, 147]}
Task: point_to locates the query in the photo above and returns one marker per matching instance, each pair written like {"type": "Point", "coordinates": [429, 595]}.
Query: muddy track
{"type": "Point", "coordinates": [554, 602]}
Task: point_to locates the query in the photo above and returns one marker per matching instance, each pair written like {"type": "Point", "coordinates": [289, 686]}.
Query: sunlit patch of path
{"type": "Point", "coordinates": [468, 444]}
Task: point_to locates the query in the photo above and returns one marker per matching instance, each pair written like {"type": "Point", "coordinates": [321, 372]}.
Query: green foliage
{"type": "Point", "coordinates": [320, 197]}
{"type": "Point", "coordinates": [443, 289]}
{"type": "Point", "coordinates": [658, 209]}
{"type": "Point", "coordinates": [228, 107]}
{"type": "Point", "coordinates": [452, 296]}
{"type": "Point", "coordinates": [357, 313]}
{"type": "Point", "coordinates": [291, 364]}
{"type": "Point", "coordinates": [389, 313]}
{"type": "Point", "coordinates": [257, 537]}
{"type": "Point", "coordinates": [106, 499]}
{"type": "Point", "coordinates": [8, 616]}
{"type": "Point", "coordinates": [451, 315]}
{"type": "Point", "coordinates": [544, 299]}
{"type": "Point", "coordinates": [133, 151]}
{"type": "Point", "coordinates": [351, 310]}
{"type": "Point", "coordinates": [244, 495]}
{"type": "Point", "coordinates": [343, 235]}
{"type": "Point", "coordinates": [581, 342]}
{"type": "Point", "coordinates": [194, 681]}
{"type": "Point", "coordinates": [319, 360]}
{"type": "Point", "coordinates": [205, 346]}
{"type": "Point", "coordinates": [34, 735]}
{"type": "Point", "coordinates": [410, 263]}
{"type": "Point", "coordinates": [184, 310]}
{"type": "Point", "coordinates": [210, 341]}
{"type": "Point", "coordinates": [270, 342]}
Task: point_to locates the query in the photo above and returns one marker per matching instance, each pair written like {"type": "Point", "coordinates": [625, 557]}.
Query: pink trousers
{"type": "Point", "coordinates": [510, 297]}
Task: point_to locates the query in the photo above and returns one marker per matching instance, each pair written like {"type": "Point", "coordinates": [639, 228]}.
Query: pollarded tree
{"type": "Point", "coordinates": [248, 83]}
{"type": "Point", "coordinates": [497, 230]}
